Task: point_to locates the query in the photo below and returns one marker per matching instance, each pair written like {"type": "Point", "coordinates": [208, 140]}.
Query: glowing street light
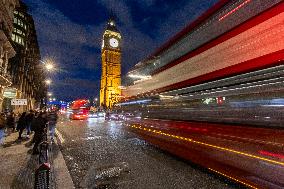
{"type": "Point", "coordinates": [49, 66]}
{"type": "Point", "coordinates": [49, 94]}
{"type": "Point", "coordinates": [48, 63]}
{"type": "Point", "coordinates": [48, 81]}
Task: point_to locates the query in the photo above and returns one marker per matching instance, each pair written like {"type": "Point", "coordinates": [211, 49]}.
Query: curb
{"type": "Point", "coordinates": [62, 176]}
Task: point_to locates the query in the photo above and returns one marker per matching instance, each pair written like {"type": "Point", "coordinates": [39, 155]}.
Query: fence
{"type": "Point", "coordinates": [42, 174]}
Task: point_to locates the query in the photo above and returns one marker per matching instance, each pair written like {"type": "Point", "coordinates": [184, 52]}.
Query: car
{"type": "Point", "coordinates": [114, 116]}
{"type": "Point", "coordinates": [101, 114]}
{"type": "Point", "coordinates": [127, 116]}
{"type": "Point", "coordinates": [93, 114]}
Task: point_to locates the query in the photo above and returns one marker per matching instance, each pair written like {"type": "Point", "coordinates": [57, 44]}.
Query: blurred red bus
{"type": "Point", "coordinates": [80, 109]}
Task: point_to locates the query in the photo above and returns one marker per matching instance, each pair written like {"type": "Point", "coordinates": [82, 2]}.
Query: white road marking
{"type": "Point", "coordinates": [59, 136]}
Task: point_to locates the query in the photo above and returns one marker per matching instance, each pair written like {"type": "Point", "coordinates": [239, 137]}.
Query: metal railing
{"type": "Point", "coordinates": [42, 174]}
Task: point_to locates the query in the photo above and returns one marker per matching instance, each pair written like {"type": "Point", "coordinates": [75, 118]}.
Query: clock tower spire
{"type": "Point", "coordinates": [111, 65]}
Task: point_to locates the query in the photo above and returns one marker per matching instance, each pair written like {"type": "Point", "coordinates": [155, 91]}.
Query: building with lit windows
{"type": "Point", "coordinates": [6, 49]}
{"type": "Point", "coordinates": [110, 91]}
{"type": "Point", "coordinates": [25, 68]}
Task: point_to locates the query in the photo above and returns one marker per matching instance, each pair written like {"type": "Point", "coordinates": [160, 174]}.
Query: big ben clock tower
{"type": "Point", "coordinates": [111, 66]}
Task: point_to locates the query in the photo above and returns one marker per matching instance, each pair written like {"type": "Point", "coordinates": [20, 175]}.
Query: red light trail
{"type": "Point", "coordinates": [234, 10]}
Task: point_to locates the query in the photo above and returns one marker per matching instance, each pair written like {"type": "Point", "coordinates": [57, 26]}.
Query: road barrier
{"type": "Point", "coordinates": [42, 174]}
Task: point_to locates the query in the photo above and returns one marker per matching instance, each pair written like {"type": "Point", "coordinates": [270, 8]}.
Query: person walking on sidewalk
{"type": "Point", "coordinates": [21, 124]}
{"type": "Point", "coordinates": [52, 118]}
{"type": "Point", "coordinates": [39, 125]}
{"type": "Point", "coordinates": [11, 121]}
{"type": "Point", "coordinates": [2, 127]}
{"type": "Point", "coordinates": [29, 119]}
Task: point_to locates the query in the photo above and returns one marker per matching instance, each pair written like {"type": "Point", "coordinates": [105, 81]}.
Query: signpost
{"type": "Point", "coordinates": [19, 102]}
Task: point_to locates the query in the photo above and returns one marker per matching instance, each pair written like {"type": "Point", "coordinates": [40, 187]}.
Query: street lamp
{"type": "Point", "coordinates": [48, 81]}
{"type": "Point", "coordinates": [49, 66]}
{"type": "Point", "coordinates": [49, 94]}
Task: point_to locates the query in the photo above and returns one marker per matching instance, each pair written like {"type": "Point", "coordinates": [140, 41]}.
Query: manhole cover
{"type": "Point", "coordinates": [106, 177]}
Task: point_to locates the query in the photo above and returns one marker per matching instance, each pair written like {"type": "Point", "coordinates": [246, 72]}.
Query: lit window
{"type": "Point", "coordinates": [15, 20]}
{"type": "Point", "coordinates": [13, 37]}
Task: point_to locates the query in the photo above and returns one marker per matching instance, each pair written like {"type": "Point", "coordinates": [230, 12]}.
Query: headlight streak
{"type": "Point", "coordinates": [208, 145]}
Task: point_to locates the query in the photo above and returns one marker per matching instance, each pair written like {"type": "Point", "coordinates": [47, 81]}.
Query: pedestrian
{"type": "Point", "coordinates": [33, 125]}
{"type": "Point", "coordinates": [21, 124]}
{"type": "Point", "coordinates": [52, 118]}
{"type": "Point", "coordinates": [17, 116]}
{"type": "Point", "coordinates": [39, 125]}
{"type": "Point", "coordinates": [11, 121]}
{"type": "Point", "coordinates": [2, 127]}
{"type": "Point", "coordinates": [29, 119]}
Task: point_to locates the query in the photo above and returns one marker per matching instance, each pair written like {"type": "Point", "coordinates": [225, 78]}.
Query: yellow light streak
{"type": "Point", "coordinates": [237, 180]}
{"type": "Point", "coordinates": [211, 145]}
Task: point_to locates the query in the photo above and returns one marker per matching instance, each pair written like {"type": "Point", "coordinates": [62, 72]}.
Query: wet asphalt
{"type": "Point", "coordinates": [104, 154]}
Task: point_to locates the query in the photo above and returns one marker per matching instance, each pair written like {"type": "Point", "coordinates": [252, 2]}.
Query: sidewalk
{"type": "Point", "coordinates": [18, 165]}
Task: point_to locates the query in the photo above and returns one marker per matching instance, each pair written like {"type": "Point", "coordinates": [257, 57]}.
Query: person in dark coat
{"type": "Point", "coordinates": [2, 127]}
{"type": "Point", "coordinates": [52, 118]}
{"type": "Point", "coordinates": [29, 119]}
{"type": "Point", "coordinates": [39, 125]}
{"type": "Point", "coordinates": [21, 124]}
{"type": "Point", "coordinates": [11, 121]}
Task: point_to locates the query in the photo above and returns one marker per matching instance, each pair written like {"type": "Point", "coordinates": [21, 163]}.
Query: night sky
{"type": "Point", "coordinates": [70, 33]}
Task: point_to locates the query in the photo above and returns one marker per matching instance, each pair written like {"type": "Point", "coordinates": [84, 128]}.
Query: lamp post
{"type": "Point", "coordinates": [48, 67]}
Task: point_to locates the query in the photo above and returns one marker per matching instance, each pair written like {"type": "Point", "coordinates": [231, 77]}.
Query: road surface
{"type": "Point", "coordinates": [104, 154]}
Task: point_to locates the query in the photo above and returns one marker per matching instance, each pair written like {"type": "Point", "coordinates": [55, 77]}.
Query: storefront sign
{"type": "Point", "coordinates": [19, 102]}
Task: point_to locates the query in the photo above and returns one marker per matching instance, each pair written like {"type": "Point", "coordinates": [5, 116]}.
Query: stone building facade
{"type": "Point", "coordinates": [7, 51]}
{"type": "Point", "coordinates": [25, 68]}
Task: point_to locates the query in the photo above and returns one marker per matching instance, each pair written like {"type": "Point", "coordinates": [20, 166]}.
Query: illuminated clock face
{"type": "Point", "coordinates": [113, 42]}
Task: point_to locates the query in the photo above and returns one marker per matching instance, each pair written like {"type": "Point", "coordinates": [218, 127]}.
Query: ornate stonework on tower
{"type": "Point", "coordinates": [111, 66]}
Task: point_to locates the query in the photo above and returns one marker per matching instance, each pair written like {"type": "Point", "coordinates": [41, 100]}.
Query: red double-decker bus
{"type": "Point", "coordinates": [80, 109]}
{"type": "Point", "coordinates": [214, 93]}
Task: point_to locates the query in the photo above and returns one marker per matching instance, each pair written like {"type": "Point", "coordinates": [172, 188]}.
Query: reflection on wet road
{"type": "Point", "coordinates": [104, 154]}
